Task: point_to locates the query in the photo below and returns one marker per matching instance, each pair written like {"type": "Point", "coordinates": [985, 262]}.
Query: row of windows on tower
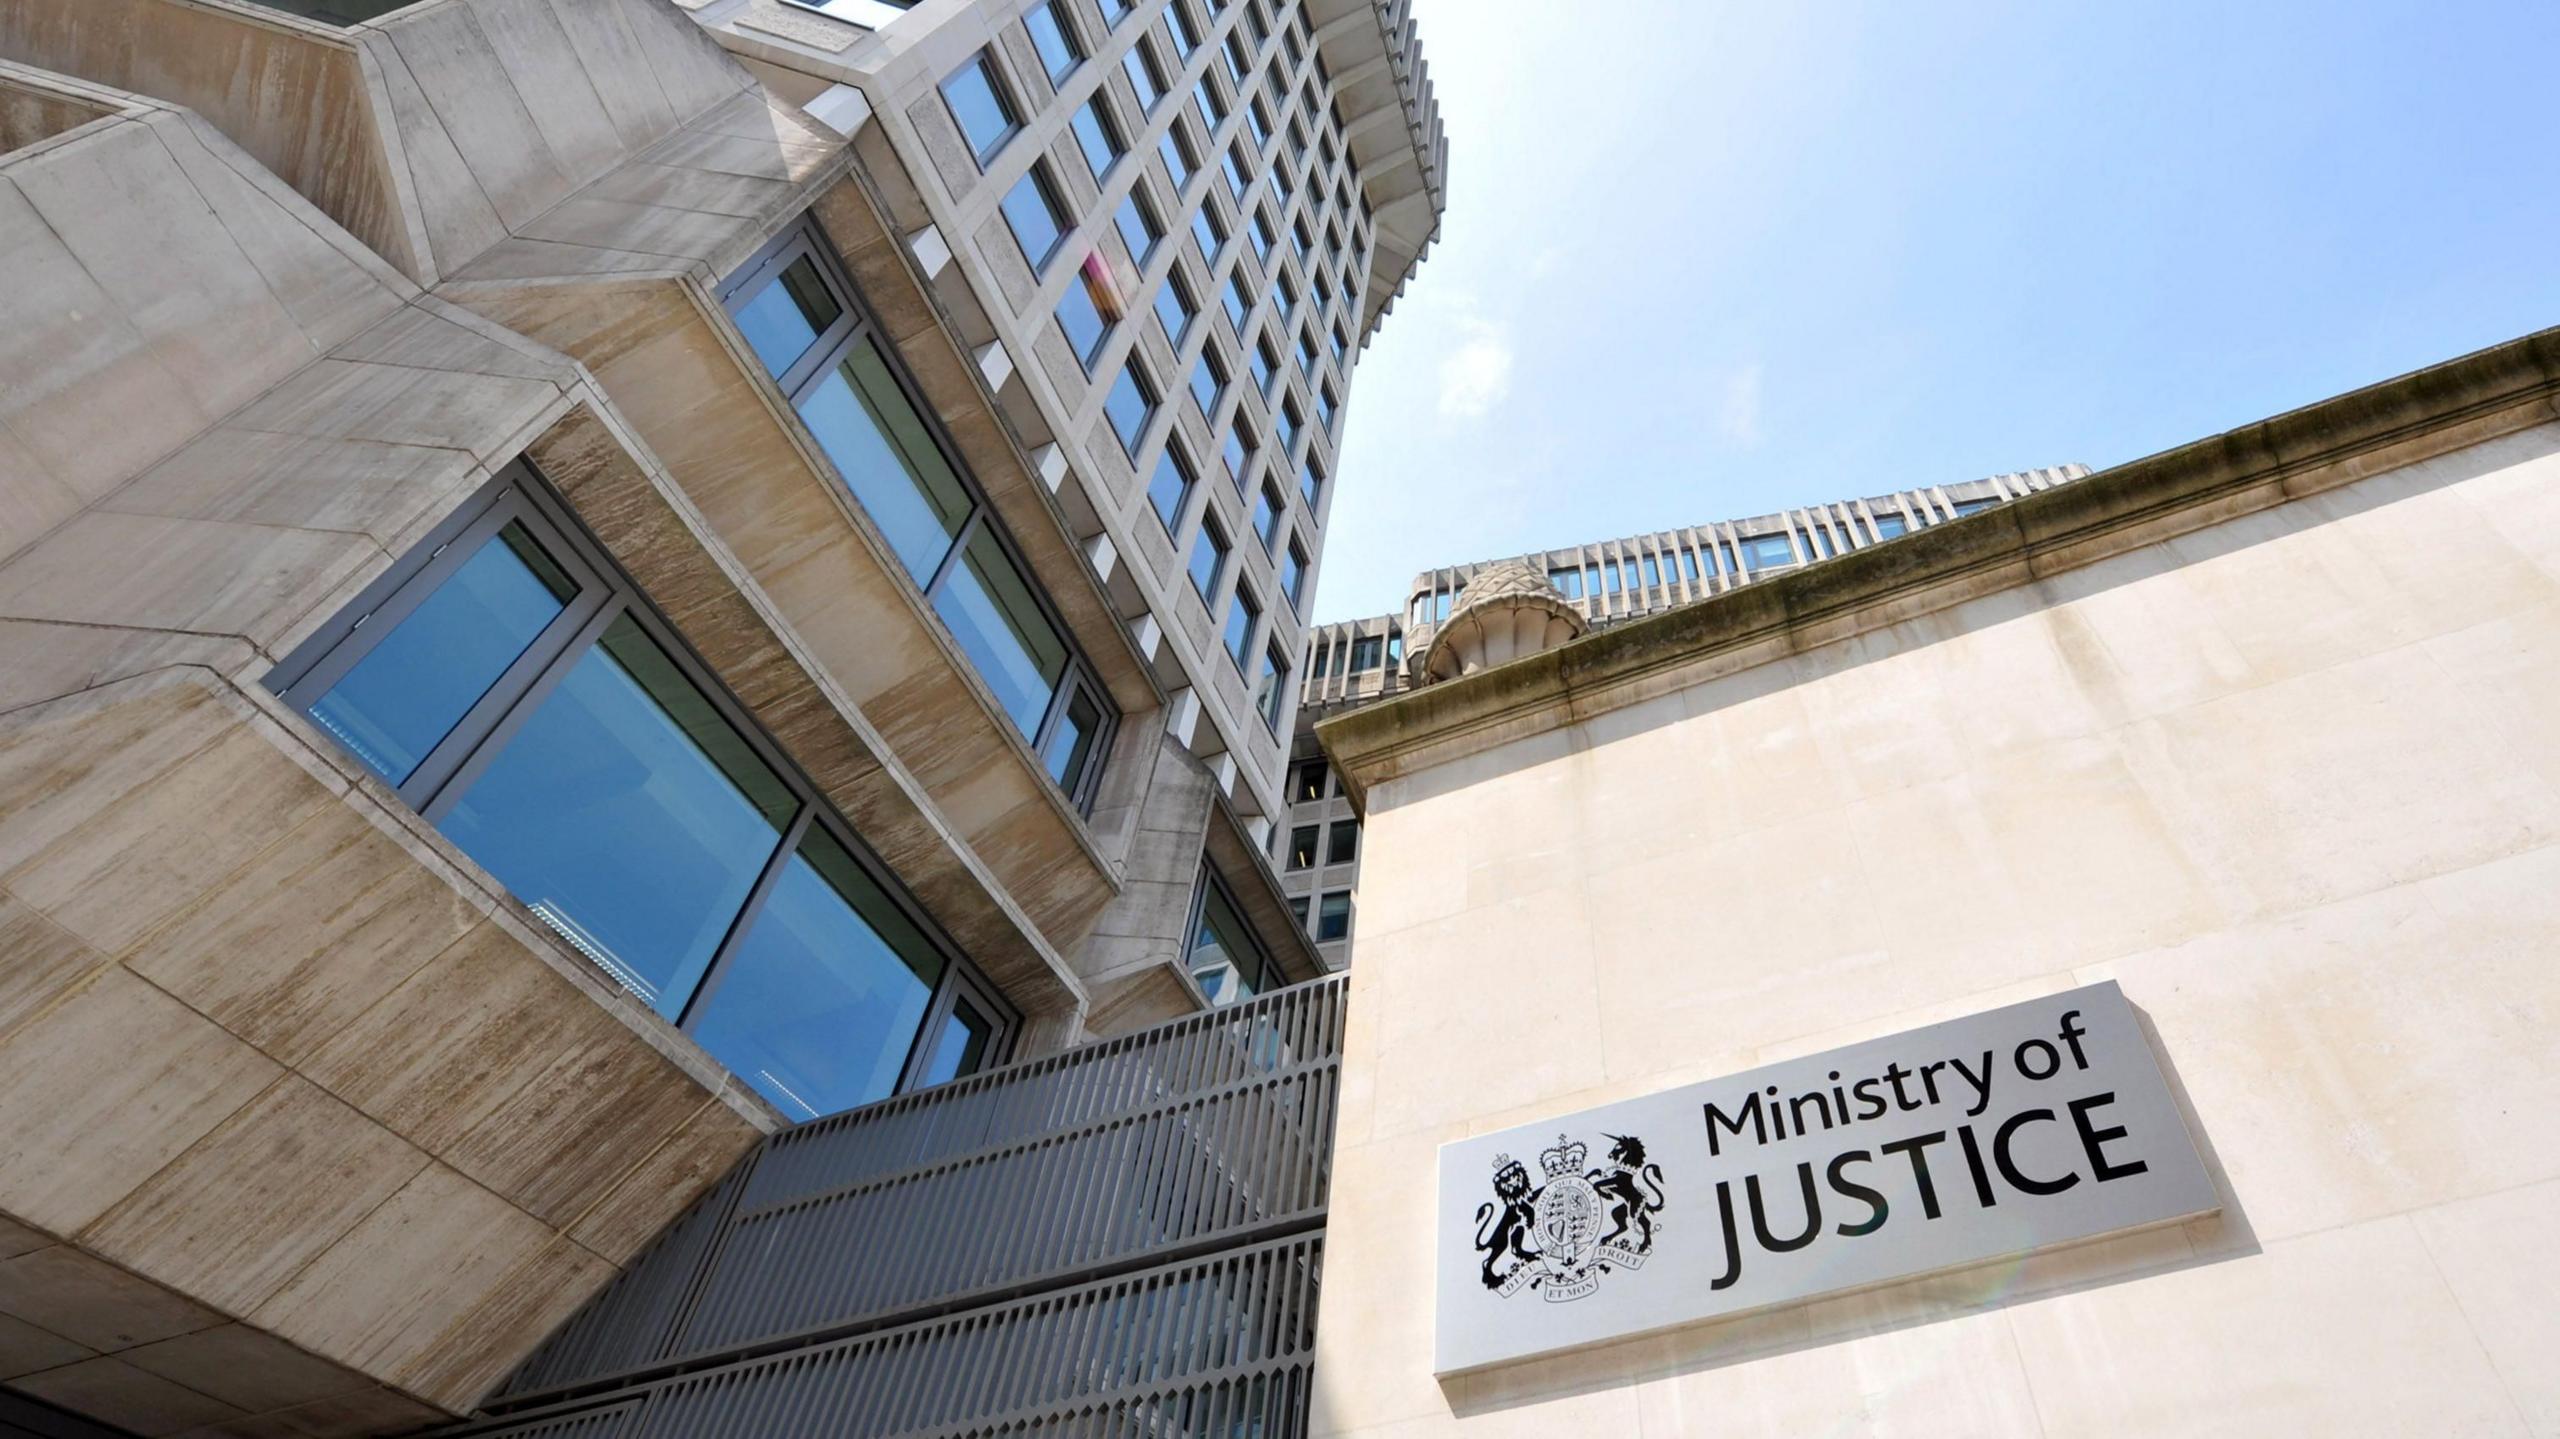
{"type": "Point", "coordinates": [1341, 843]}
{"type": "Point", "coordinates": [1366, 652]}
{"type": "Point", "coordinates": [1332, 911]}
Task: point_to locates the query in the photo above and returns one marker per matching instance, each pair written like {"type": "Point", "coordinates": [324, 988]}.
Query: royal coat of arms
{"type": "Point", "coordinates": [1577, 1223]}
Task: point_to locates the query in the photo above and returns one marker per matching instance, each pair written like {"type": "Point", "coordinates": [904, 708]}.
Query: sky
{"type": "Point", "coordinates": [1710, 258]}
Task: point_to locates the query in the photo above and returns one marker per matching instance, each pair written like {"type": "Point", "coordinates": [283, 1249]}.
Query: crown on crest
{"type": "Point", "coordinates": [1565, 1158]}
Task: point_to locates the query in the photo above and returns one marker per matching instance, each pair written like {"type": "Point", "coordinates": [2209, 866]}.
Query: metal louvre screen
{"type": "Point", "coordinates": [1121, 1239]}
{"type": "Point", "coordinates": [1213, 1347]}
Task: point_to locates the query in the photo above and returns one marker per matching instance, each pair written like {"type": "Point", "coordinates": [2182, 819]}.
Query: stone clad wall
{"type": "Point", "coordinates": [2292, 779]}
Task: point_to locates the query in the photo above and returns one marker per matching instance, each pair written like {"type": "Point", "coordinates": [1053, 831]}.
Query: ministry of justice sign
{"type": "Point", "coordinates": [2040, 1124]}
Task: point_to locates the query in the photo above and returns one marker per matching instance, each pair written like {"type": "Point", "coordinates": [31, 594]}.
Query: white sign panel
{"type": "Point", "coordinates": [2041, 1124]}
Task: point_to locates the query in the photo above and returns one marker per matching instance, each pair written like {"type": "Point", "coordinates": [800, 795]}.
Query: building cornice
{"type": "Point", "coordinates": [2302, 452]}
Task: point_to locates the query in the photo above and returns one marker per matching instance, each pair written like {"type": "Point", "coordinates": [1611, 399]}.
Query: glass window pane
{"type": "Point", "coordinates": [985, 118]}
{"type": "Point", "coordinates": [1034, 219]}
{"type": "Point", "coordinates": [1169, 489]}
{"type": "Point", "coordinates": [1049, 35]}
{"type": "Point", "coordinates": [818, 1007]}
{"type": "Point", "coordinates": [961, 1048]}
{"type": "Point", "coordinates": [1223, 958]}
{"type": "Point", "coordinates": [418, 681]}
{"type": "Point", "coordinates": [1095, 137]}
{"type": "Point", "coordinates": [787, 315]}
{"type": "Point", "coordinates": [1081, 322]}
{"type": "Point", "coordinates": [991, 611]}
{"type": "Point", "coordinates": [1130, 405]}
{"type": "Point", "coordinates": [629, 816]}
{"type": "Point", "coordinates": [1071, 743]}
{"type": "Point", "coordinates": [880, 446]}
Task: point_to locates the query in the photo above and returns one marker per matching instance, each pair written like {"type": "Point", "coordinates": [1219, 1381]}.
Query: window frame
{"type": "Point", "coordinates": [520, 494]}
{"type": "Point", "coordinates": [856, 324]}
{"type": "Point", "coordinates": [984, 61]}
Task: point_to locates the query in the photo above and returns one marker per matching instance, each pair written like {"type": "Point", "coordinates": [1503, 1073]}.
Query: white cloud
{"type": "Point", "coordinates": [1738, 406]}
{"type": "Point", "coordinates": [1477, 375]}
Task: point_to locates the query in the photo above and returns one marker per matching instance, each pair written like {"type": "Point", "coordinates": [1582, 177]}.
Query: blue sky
{"type": "Point", "coordinates": [1706, 259]}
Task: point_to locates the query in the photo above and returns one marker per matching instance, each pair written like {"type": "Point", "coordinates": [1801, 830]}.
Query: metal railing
{"type": "Point", "coordinates": [1074, 1210]}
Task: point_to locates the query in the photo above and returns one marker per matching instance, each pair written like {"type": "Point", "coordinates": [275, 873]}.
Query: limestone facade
{"type": "Point", "coordinates": [1351, 663]}
{"type": "Point", "coordinates": [2260, 729]}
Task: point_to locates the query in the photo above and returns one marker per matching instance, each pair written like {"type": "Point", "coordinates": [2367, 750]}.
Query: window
{"type": "Point", "coordinates": [1178, 162]}
{"type": "Point", "coordinates": [1212, 107]}
{"type": "Point", "coordinates": [1082, 323]}
{"type": "Point", "coordinates": [1138, 226]}
{"type": "Point", "coordinates": [1973, 507]}
{"type": "Point", "coordinates": [525, 698]}
{"type": "Point", "coordinates": [1652, 573]}
{"type": "Point", "coordinates": [1333, 916]}
{"type": "Point", "coordinates": [1298, 909]}
{"type": "Point", "coordinates": [1890, 527]}
{"type": "Point", "coordinates": [1266, 523]}
{"type": "Point", "coordinates": [1170, 489]}
{"type": "Point", "coordinates": [1243, 618]}
{"type": "Point", "coordinates": [1260, 121]}
{"type": "Point", "coordinates": [1395, 647]}
{"type": "Point", "coordinates": [1293, 577]}
{"type": "Point", "coordinates": [1239, 300]}
{"type": "Point", "coordinates": [1307, 354]}
{"type": "Point", "coordinates": [1099, 139]}
{"type": "Point", "coordinates": [1366, 650]}
{"type": "Point", "coordinates": [1225, 961]}
{"type": "Point", "coordinates": [1208, 381]}
{"type": "Point", "coordinates": [1239, 63]}
{"type": "Point", "coordinates": [1055, 39]}
{"type": "Point", "coordinates": [1139, 64]}
{"type": "Point", "coordinates": [1568, 581]}
{"type": "Point", "coordinates": [1239, 173]}
{"type": "Point", "coordinates": [1208, 557]}
{"type": "Point", "coordinates": [1130, 405]}
{"type": "Point", "coordinates": [1311, 482]}
{"type": "Point", "coordinates": [1174, 307]}
{"type": "Point", "coordinates": [1768, 551]}
{"type": "Point", "coordinates": [1038, 221]}
{"type": "Point", "coordinates": [1265, 364]}
{"type": "Point", "coordinates": [1287, 425]}
{"type": "Point", "coordinates": [979, 106]}
{"type": "Point", "coordinates": [1283, 299]}
{"type": "Point", "coordinates": [1609, 575]}
{"type": "Point", "coordinates": [1209, 230]}
{"type": "Point", "coordinates": [1238, 451]}
{"type": "Point", "coordinates": [1271, 686]}
{"type": "Point", "coordinates": [1342, 837]}
{"type": "Point", "coordinates": [1306, 782]}
{"type": "Point", "coordinates": [1179, 29]}
{"type": "Point", "coordinates": [1323, 657]}
{"type": "Point", "coordinates": [1689, 563]}
{"type": "Point", "coordinates": [1262, 237]}
{"type": "Point", "coordinates": [1114, 11]}
{"type": "Point", "coordinates": [1302, 846]}
{"type": "Point", "coordinates": [1328, 413]}
{"type": "Point", "coordinates": [797, 309]}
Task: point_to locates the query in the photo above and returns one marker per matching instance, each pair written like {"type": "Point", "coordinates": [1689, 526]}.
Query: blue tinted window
{"type": "Point", "coordinates": [1032, 213]}
{"type": "Point", "coordinates": [417, 682]}
{"type": "Point", "coordinates": [1170, 488]}
{"type": "Point", "coordinates": [628, 816]}
{"type": "Point", "coordinates": [1207, 382]}
{"type": "Point", "coordinates": [958, 1046]}
{"type": "Point", "coordinates": [1208, 557]}
{"type": "Point", "coordinates": [1096, 137]}
{"type": "Point", "coordinates": [1889, 526]}
{"type": "Point", "coordinates": [1138, 228]}
{"type": "Point", "coordinates": [1130, 405]}
{"type": "Point", "coordinates": [1768, 551]}
{"type": "Point", "coordinates": [1082, 323]}
{"type": "Point", "coordinates": [991, 612]}
{"type": "Point", "coordinates": [1173, 309]}
{"type": "Point", "coordinates": [1059, 53]}
{"type": "Point", "coordinates": [819, 1007]}
{"type": "Point", "coordinates": [985, 116]}
{"type": "Point", "coordinates": [1293, 576]}
{"type": "Point", "coordinates": [880, 446]}
{"type": "Point", "coordinates": [1266, 523]}
{"type": "Point", "coordinates": [1071, 743]}
{"type": "Point", "coordinates": [1140, 67]}
{"type": "Point", "coordinates": [786, 316]}
{"type": "Point", "coordinates": [1242, 613]}
{"type": "Point", "coordinates": [1177, 162]}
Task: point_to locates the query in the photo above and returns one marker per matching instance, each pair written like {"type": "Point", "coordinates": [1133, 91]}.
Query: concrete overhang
{"type": "Point", "coordinates": [1391, 118]}
{"type": "Point", "coordinates": [2303, 452]}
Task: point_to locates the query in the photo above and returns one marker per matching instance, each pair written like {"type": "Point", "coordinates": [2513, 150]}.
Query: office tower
{"type": "Point", "coordinates": [583, 582]}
